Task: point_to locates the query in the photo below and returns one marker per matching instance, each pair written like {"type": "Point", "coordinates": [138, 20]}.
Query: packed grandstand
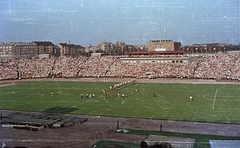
{"type": "Point", "coordinates": [209, 66]}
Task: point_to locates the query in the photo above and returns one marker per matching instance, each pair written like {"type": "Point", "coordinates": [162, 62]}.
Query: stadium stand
{"type": "Point", "coordinates": [218, 66]}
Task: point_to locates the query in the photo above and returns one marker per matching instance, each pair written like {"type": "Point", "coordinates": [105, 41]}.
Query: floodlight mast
{"type": "Point", "coordinates": [165, 32]}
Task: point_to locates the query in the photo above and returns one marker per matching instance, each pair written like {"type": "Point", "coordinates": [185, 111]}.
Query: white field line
{"type": "Point", "coordinates": [59, 91]}
{"type": "Point", "coordinates": [215, 97]}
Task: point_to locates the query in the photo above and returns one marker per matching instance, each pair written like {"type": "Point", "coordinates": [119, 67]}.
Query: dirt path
{"type": "Point", "coordinates": [159, 80]}
{"type": "Point", "coordinates": [102, 128]}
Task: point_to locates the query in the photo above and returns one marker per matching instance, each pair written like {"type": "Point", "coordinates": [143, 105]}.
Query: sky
{"type": "Point", "coordinates": [86, 22]}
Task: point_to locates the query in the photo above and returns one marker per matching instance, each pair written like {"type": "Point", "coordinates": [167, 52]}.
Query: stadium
{"type": "Point", "coordinates": [119, 101]}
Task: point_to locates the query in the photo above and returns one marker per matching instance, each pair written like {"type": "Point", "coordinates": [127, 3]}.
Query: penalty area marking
{"type": "Point", "coordinates": [215, 97]}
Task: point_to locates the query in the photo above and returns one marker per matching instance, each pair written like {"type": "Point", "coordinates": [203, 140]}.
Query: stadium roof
{"type": "Point", "coordinates": [153, 52]}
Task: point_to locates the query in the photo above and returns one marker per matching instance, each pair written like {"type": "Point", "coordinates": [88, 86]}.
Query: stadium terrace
{"type": "Point", "coordinates": [219, 66]}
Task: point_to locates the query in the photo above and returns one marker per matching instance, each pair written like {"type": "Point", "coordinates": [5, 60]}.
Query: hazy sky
{"type": "Point", "coordinates": [88, 22]}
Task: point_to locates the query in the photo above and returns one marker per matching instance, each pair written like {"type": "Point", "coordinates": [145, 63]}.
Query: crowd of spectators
{"type": "Point", "coordinates": [35, 68]}
{"type": "Point", "coordinates": [8, 70]}
{"type": "Point", "coordinates": [220, 66]}
{"type": "Point", "coordinates": [67, 67]}
{"type": "Point", "coordinates": [215, 66]}
{"type": "Point", "coordinates": [96, 66]}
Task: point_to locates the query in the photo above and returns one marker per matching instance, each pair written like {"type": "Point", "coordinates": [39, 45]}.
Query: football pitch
{"type": "Point", "coordinates": [218, 103]}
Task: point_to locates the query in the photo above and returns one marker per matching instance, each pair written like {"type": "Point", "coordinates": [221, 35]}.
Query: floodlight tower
{"type": "Point", "coordinates": [165, 32]}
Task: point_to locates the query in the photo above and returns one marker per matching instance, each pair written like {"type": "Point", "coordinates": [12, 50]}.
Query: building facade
{"type": "Point", "coordinates": [18, 50]}
{"type": "Point", "coordinates": [6, 50]}
{"type": "Point", "coordinates": [45, 47]}
{"type": "Point", "coordinates": [163, 45]}
{"type": "Point", "coordinates": [70, 49]}
{"type": "Point", "coordinates": [26, 50]}
{"type": "Point", "coordinates": [205, 48]}
{"type": "Point", "coordinates": [107, 47]}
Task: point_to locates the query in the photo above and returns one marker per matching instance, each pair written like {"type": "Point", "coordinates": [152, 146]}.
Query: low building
{"type": "Point", "coordinates": [91, 48]}
{"type": "Point", "coordinates": [97, 54]}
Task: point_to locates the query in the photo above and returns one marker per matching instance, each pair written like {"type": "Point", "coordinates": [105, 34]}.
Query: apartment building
{"type": "Point", "coordinates": [45, 47]}
{"type": "Point", "coordinates": [70, 49]}
{"type": "Point", "coordinates": [6, 50]}
{"type": "Point", "coordinates": [15, 50]}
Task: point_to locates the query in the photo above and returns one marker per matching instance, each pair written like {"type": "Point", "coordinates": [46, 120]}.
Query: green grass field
{"type": "Point", "coordinates": [211, 103]}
